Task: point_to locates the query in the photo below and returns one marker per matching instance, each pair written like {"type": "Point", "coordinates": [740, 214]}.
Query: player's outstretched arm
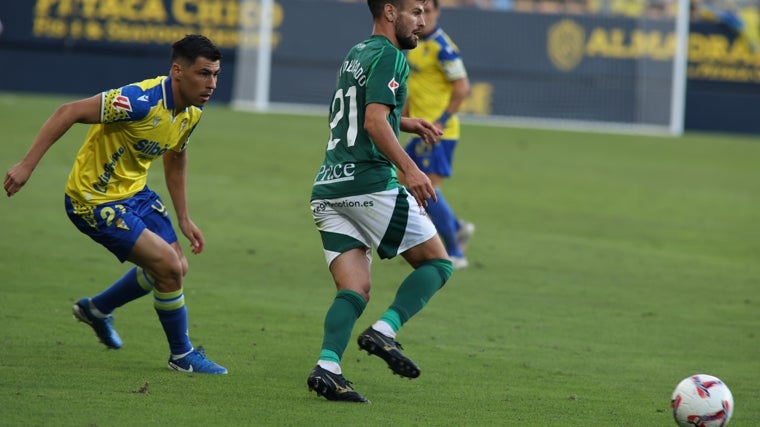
{"type": "Point", "coordinates": [82, 111]}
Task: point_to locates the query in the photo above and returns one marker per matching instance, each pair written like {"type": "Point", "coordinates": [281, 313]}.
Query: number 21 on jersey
{"type": "Point", "coordinates": [339, 110]}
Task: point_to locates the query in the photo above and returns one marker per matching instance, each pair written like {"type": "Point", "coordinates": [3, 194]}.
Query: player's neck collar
{"type": "Point", "coordinates": [381, 36]}
{"type": "Point", "coordinates": [168, 94]}
{"type": "Point", "coordinates": [169, 97]}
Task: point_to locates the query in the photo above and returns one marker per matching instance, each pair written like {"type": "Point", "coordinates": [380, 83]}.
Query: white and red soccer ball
{"type": "Point", "coordinates": [703, 401]}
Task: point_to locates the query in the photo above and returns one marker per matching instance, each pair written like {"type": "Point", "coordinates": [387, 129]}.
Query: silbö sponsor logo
{"type": "Point", "coordinates": [150, 148]}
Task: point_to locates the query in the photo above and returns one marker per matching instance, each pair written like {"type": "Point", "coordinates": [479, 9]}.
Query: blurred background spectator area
{"type": "Point", "coordinates": [734, 13]}
{"type": "Point", "coordinates": [742, 17]}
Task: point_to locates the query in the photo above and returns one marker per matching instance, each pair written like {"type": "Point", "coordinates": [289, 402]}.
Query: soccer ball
{"type": "Point", "coordinates": [702, 400]}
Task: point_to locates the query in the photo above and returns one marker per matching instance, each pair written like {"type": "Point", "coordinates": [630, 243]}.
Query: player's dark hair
{"type": "Point", "coordinates": [376, 6]}
{"type": "Point", "coordinates": [193, 46]}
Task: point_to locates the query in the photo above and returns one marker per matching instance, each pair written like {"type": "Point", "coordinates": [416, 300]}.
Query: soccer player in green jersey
{"type": "Point", "coordinates": [358, 203]}
{"type": "Point", "coordinates": [107, 197]}
{"type": "Point", "coordinates": [438, 85]}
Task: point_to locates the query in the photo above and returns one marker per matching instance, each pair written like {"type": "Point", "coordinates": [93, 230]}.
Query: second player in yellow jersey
{"type": "Point", "coordinates": [138, 124]}
{"type": "Point", "coordinates": [438, 84]}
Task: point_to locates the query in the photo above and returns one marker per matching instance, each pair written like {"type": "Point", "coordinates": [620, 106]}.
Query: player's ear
{"type": "Point", "coordinates": [176, 70]}
{"type": "Point", "coordinates": [390, 12]}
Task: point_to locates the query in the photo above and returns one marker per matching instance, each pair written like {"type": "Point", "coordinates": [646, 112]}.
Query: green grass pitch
{"type": "Point", "coordinates": [605, 268]}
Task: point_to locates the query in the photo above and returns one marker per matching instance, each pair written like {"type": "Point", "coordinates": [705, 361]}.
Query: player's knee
{"type": "Point", "coordinates": [185, 266]}
{"type": "Point", "coordinates": [365, 294]}
{"type": "Point", "coordinates": [169, 274]}
{"type": "Point", "coordinates": [361, 290]}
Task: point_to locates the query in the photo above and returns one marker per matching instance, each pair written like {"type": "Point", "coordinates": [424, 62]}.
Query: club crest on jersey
{"type": "Point", "coordinates": [393, 85]}
{"type": "Point", "coordinates": [121, 224]}
{"type": "Point", "coordinates": [121, 102]}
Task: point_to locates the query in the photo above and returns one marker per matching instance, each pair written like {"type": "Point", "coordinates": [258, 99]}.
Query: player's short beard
{"type": "Point", "coordinates": [406, 42]}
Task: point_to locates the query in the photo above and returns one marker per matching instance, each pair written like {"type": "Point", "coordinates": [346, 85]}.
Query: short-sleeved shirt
{"type": "Point", "coordinates": [434, 64]}
{"type": "Point", "coordinates": [374, 71]}
{"type": "Point", "coordinates": [137, 125]}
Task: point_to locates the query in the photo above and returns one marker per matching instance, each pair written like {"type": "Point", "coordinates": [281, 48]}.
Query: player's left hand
{"type": "Point", "coordinates": [193, 233]}
{"type": "Point", "coordinates": [426, 130]}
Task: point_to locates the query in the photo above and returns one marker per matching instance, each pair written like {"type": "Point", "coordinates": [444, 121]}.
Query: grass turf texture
{"type": "Point", "coordinates": [605, 269]}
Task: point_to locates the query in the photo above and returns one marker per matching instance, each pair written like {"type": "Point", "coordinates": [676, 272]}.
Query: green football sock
{"type": "Point", "coordinates": [416, 290]}
{"type": "Point", "coordinates": [339, 322]}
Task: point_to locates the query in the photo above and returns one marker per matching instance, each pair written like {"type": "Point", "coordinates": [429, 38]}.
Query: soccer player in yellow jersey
{"type": "Point", "coordinates": [438, 85]}
{"type": "Point", "coordinates": [107, 197]}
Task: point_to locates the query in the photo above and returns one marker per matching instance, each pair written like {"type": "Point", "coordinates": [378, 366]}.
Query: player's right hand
{"type": "Point", "coordinates": [15, 178]}
{"type": "Point", "coordinates": [420, 186]}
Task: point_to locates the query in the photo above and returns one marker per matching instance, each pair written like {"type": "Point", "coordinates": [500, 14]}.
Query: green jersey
{"type": "Point", "coordinates": [374, 71]}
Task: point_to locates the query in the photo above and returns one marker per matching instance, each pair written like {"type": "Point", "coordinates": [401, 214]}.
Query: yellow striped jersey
{"type": "Point", "coordinates": [137, 125]}
{"type": "Point", "coordinates": [433, 65]}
